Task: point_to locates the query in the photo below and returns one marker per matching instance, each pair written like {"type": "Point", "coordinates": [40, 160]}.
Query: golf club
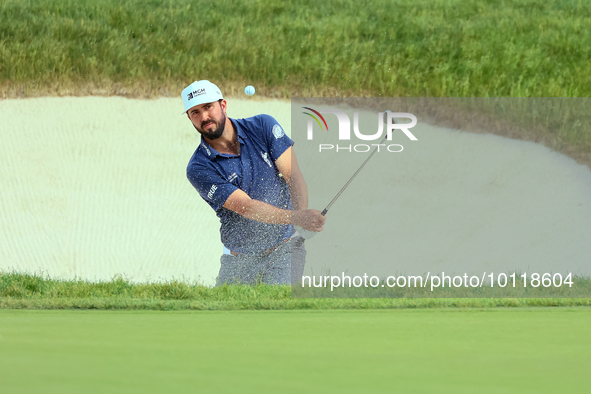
{"type": "Point", "coordinates": [306, 234]}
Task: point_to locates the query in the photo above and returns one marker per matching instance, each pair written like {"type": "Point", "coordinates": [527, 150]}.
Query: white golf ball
{"type": "Point", "coordinates": [249, 90]}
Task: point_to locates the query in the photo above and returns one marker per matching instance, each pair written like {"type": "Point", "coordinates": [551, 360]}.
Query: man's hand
{"type": "Point", "coordinates": [241, 203]}
{"type": "Point", "coordinates": [308, 219]}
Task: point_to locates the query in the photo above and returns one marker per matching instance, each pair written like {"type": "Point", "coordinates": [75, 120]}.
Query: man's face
{"type": "Point", "coordinates": [209, 119]}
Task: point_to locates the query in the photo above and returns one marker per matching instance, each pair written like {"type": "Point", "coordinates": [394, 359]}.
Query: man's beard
{"type": "Point", "coordinates": [215, 133]}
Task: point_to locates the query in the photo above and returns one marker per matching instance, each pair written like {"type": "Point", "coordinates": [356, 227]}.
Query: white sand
{"type": "Point", "coordinates": [96, 187]}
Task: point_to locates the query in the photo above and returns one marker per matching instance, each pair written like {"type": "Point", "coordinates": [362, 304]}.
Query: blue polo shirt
{"type": "Point", "coordinates": [216, 176]}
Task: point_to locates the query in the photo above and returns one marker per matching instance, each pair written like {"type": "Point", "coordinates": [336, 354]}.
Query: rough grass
{"type": "Point", "coordinates": [441, 48]}
{"type": "Point", "coordinates": [26, 291]}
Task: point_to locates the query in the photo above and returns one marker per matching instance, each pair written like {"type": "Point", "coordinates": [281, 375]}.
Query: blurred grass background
{"type": "Point", "coordinates": [440, 48]}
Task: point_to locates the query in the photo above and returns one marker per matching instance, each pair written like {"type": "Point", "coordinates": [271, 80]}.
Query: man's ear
{"type": "Point", "coordinates": [223, 104]}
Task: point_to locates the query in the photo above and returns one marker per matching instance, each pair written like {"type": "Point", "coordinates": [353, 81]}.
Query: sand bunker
{"type": "Point", "coordinates": [96, 187]}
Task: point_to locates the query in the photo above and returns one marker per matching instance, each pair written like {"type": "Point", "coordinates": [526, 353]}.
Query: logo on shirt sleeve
{"type": "Point", "coordinates": [278, 131]}
{"type": "Point", "coordinates": [212, 191]}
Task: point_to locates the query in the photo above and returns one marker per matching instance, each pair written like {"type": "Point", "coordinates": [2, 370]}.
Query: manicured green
{"type": "Point", "coordinates": [409, 351]}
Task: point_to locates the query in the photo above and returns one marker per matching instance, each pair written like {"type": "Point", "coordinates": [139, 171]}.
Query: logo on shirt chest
{"type": "Point", "coordinates": [232, 177]}
{"type": "Point", "coordinates": [266, 159]}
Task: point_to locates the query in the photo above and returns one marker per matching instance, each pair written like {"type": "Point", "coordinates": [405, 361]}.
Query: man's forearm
{"type": "Point", "coordinates": [240, 203]}
{"type": "Point", "coordinates": [298, 191]}
{"type": "Point", "coordinates": [263, 212]}
{"type": "Point", "coordinates": [288, 167]}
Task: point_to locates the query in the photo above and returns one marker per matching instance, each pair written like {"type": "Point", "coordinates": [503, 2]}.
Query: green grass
{"type": "Point", "coordinates": [406, 48]}
{"type": "Point", "coordinates": [24, 291]}
{"type": "Point", "coordinates": [408, 351]}
{"type": "Point", "coordinates": [442, 48]}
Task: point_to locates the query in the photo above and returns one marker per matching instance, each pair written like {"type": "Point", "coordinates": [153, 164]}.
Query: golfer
{"type": "Point", "coordinates": [246, 170]}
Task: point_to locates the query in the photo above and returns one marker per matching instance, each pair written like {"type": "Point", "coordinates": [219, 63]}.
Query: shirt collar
{"type": "Point", "coordinates": [212, 153]}
{"type": "Point", "coordinates": [240, 131]}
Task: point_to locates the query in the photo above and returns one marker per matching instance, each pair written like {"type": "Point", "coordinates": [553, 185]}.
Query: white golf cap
{"type": "Point", "coordinates": [200, 92]}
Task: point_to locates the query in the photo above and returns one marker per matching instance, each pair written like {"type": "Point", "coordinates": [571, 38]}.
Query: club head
{"type": "Point", "coordinates": [386, 117]}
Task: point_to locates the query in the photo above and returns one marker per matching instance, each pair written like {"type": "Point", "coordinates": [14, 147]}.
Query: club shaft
{"type": "Point", "coordinates": [353, 177]}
